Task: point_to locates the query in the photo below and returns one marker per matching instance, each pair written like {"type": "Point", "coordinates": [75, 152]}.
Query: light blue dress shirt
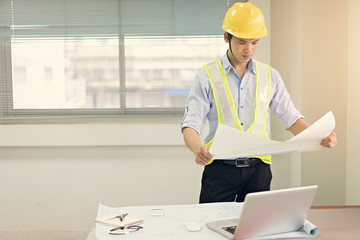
{"type": "Point", "coordinates": [201, 108]}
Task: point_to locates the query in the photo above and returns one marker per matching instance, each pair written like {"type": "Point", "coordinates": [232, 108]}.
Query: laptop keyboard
{"type": "Point", "coordinates": [230, 229]}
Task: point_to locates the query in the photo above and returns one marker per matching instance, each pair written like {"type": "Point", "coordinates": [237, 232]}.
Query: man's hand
{"type": "Point", "coordinates": [201, 151]}
{"type": "Point", "coordinates": [203, 156]}
{"type": "Point", "coordinates": [300, 125]}
{"type": "Point", "coordinates": [330, 141]}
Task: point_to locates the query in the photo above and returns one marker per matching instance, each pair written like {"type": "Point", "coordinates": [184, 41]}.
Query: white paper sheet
{"type": "Point", "coordinates": [231, 143]}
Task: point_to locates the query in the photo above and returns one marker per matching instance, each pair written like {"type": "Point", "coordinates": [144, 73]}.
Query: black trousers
{"type": "Point", "coordinates": [224, 183]}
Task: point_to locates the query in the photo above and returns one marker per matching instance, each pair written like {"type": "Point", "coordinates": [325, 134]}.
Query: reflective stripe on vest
{"type": "Point", "coordinates": [225, 105]}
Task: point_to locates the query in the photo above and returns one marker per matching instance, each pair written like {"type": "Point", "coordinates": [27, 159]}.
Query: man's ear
{"type": "Point", "coordinates": [226, 37]}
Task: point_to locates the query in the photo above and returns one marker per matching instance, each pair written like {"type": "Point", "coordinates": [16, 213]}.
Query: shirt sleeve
{"type": "Point", "coordinates": [198, 103]}
{"type": "Point", "coordinates": [281, 104]}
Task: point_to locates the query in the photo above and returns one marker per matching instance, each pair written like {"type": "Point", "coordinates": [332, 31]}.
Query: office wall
{"type": "Point", "coordinates": [286, 58]}
{"type": "Point", "coordinates": [316, 50]}
{"type": "Point", "coordinates": [325, 80]}
{"type": "Point", "coordinates": [353, 113]}
{"type": "Point", "coordinates": [56, 188]}
{"type": "Point", "coordinates": [301, 49]}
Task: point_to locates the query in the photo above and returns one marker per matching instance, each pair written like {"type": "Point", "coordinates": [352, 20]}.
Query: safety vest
{"type": "Point", "coordinates": [225, 105]}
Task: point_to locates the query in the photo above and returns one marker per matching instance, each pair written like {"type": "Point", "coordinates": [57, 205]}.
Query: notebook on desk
{"type": "Point", "coordinates": [268, 213]}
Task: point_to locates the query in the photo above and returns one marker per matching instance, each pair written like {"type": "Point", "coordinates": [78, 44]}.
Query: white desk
{"type": "Point", "coordinates": [335, 223]}
{"type": "Point", "coordinates": [171, 226]}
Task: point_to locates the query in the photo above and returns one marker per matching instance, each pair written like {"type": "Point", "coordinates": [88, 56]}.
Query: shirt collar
{"type": "Point", "coordinates": [227, 65]}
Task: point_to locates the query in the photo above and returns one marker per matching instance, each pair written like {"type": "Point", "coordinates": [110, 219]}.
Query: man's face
{"type": "Point", "coordinates": [241, 49]}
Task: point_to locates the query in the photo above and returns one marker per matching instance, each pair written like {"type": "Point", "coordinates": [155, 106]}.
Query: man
{"type": "Point", "coordinates": [238, 91]}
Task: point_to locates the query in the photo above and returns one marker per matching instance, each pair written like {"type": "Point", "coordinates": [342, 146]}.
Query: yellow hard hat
{"type": "Point", "coordinates": [245, 20]}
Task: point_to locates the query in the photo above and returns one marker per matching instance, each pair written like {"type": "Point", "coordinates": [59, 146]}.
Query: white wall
{"type": "Point", "coordinates": [316, 50]}
{"type": "Point", "coordinates": [286, 55]}
{"type": "Point", "coordinates": [57, 188]}
{"type": "Point", "coordinates": [353, 113]}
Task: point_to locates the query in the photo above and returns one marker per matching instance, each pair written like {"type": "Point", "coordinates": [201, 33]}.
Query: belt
{"type": "Point", "coordinates": [239, 162]}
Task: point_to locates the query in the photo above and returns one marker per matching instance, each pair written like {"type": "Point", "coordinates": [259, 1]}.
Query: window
{"type": "Point", "coordinates": [103, 58]}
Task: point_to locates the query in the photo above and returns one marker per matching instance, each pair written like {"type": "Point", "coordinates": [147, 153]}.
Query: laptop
{"type": "Point", "coordinates": [267, 213]}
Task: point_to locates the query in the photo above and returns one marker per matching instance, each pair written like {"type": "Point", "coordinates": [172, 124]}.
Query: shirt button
{"type": "Point", "coordinates": [241, 88]}
{"type": "Point", "coordinates": [242, 124]}
{"type": "Point", "coordinates": [241, 106]}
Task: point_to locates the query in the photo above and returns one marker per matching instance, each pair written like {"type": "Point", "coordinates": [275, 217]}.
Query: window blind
{"type": "Point", "coordinates": [90, 58]}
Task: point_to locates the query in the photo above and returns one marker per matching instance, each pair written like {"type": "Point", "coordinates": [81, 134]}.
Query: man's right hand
{"type": "Point", "coordinates": [202, 156]}
{"type": "Point", "coordinates": [201, 151]}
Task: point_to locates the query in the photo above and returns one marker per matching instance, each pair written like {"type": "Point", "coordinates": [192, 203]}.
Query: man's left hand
{"type": "Point", "coordinates": [330, 141]}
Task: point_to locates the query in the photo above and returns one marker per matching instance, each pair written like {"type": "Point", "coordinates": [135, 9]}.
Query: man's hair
{"type": "Point", "coordinates": [230, 37]}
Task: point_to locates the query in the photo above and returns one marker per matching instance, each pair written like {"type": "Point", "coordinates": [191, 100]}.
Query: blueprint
{"type": "Point", "coordinates": [231, 143]}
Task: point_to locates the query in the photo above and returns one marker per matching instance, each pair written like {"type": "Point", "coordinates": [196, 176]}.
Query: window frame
{"type": "Point", "coordinates": [10, 115]}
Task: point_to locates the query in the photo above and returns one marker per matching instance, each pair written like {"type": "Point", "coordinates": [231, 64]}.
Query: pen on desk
{"type": "Point", "coordinates": [117, 228]}
{"type": "Point", "coordinates": [122, 217]}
